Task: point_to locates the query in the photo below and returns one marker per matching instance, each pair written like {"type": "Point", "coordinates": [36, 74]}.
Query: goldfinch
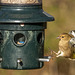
{"type": "Point", "coordinates": [65, 49]}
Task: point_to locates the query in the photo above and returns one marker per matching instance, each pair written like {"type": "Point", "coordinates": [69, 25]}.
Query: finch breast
{"type": "Point", "coordinates": [65, 48]}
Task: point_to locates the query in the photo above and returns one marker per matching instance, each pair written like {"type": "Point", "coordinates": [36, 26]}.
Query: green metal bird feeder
{"type": "Point", "coordinates": [22, 26]}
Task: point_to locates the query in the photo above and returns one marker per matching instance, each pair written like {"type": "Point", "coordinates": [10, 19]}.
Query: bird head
{"type": "Point", "coordinates": [65, 36]}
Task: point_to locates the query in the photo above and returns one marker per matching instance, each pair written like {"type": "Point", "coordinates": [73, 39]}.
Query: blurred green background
{"type": "Point", "coordinates": [64, 13]}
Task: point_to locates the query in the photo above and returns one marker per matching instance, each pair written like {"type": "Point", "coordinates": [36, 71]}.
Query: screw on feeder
{"type": "Point", "coordinates": [19, 63]}
{"type": "Point", "coordinates": [23, 24]}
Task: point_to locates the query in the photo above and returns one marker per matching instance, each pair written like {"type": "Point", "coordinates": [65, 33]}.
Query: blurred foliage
{"type": "Point", "coordinates": [64, 14]}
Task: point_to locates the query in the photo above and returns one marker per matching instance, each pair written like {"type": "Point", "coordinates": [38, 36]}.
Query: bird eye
{"type": "Point", "coordinates": [62, 36]}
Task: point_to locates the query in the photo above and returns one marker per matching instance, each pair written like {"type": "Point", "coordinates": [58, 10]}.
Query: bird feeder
{"type": "Point", "coordinates": [22, 31]}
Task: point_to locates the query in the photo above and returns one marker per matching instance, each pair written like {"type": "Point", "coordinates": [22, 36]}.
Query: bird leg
{"type": "Point", "coordinates": [60, 53]}
{"type": "Point", "coordinates": [53, 52]}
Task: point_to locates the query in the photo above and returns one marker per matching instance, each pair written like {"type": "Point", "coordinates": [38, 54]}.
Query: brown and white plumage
{"type": "Point", "coordinates": [65, 49]}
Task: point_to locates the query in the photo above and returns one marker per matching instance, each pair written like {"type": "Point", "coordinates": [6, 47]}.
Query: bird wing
{"type": "Point", "coordinates": [72, 41]}
{"type": "Point", "coordinates": [71, 44]}
{"type": "Point", "coordinates": [72, 50]}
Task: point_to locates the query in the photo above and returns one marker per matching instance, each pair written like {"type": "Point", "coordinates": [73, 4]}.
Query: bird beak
{"type": "Point", "coordinates": [58, 37]}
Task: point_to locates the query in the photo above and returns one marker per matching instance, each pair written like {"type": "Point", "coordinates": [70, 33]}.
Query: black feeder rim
{"type": "Point", "coordinates": [23, 14]}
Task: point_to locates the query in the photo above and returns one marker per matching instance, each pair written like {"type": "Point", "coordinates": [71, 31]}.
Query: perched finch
{"type": "Point", "coordinates": [65, 49]}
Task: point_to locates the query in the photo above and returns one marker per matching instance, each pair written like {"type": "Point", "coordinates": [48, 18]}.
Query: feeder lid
{"type": "Point", "coordinates": [23, 13]}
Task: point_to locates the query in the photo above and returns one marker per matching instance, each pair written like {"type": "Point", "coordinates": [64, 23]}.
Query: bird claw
{"type": "Point", "coordinates": [52, 54]}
